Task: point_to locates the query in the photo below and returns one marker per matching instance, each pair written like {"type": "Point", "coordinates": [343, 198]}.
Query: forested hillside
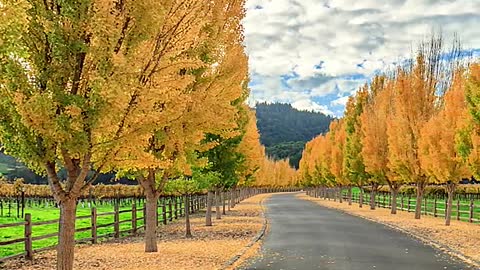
{"type": "Point", "coordinates": [284, 130]}
{"type": "Point", "coordinates": [11, 168]}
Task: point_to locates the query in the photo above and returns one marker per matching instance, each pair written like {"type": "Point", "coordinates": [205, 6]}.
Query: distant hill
{"type": "Point", "coordinates": [11, 169]}
{"type": "Point", "coordinates": [284, 130]}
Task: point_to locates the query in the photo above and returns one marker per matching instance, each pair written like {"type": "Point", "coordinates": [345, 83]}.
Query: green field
{"type": "Point", "coordinates": [51, 213]}
{"type": "Point", "coordinates": [464, 208]}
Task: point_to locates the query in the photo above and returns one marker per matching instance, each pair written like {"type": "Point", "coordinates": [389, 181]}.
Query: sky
{"type": "Point", "coordinates": [315, 53]}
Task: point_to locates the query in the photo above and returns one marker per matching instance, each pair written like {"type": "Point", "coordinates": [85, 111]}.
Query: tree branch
{"type": "Point", "coordinates": [54, 182]}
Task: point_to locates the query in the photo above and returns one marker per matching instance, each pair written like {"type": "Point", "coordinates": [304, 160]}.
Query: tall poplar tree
{"type": "Point", "coordinates": [438, 151]}
{"type": "Point", "coordinates": [419, 89]}
{"type": "Point", "coordinates": [353, 159]}
{"type": "Point", "coordinates": [375, 141]}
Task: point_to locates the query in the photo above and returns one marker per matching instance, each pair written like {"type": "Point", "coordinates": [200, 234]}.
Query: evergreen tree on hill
{"type": "Point", "coordinates": [284, 130]}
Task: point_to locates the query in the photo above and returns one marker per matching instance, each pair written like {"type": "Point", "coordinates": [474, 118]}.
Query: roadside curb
{"type": "Point", "coordinates": [454, 253]}
{"type": "Point", "coordinates": [252, 242]}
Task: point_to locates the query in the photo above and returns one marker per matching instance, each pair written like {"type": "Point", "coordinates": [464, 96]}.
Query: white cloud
{"type": "Point", "coordinates": [340, 101]}
{"type": "Point", "coordinates": [319, 45]}
{"type": "Point", "coordinates": [308, 105]}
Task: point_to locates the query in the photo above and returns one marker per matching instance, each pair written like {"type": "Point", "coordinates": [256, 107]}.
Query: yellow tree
{"type": "Point", "coordinates": [337, 166]}
{"type": "Point", "coordinates": [252, 150]}
{"type": "Point", "coordinates": [375, 141]}
{"type": "Point", "coordinates": [353, 159]}
{"type": "Point", "coordinates": [83, 81]}
{"type": "Point", "coordinates": [438, 153]}
{"type": "Point", "coordinates": [310, 163]}
{"type": "Point", "coordinates": [418, 88]}
{"type": "Point", "coordinates": [305, 167]}
{"type": "Point", "coordinates": [274, 173]}
{"type": "Point", "coordinates": [205, 104]}
{"type": "Point", "coordinates": [316, 162]}
{"type": "Point", "coordinates": [468, 143]}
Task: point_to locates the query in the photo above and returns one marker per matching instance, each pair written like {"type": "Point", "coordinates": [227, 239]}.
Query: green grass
{"type": "Point", "coordinates": [441, 205]}
{"type": "Point", "coordinates": [51, 213]}
{"type": "Point", "coordinates": [4, 169]}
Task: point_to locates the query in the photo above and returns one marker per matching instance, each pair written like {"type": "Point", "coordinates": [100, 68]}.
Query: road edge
{"type": "Point", "coordinates": [444, 248]}
{"type": "Point", "coordinates": [252, 242]}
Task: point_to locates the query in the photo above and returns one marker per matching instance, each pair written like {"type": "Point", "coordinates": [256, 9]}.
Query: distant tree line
{"type": "Point", "coordinates": [284, 130]}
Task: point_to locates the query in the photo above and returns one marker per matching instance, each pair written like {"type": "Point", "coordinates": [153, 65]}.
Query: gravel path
{"type": "Point", "coordinates": [304, 235]}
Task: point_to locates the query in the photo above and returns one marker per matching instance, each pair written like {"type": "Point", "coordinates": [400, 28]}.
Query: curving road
{"type": "Point", "coordinates": [304, 235]}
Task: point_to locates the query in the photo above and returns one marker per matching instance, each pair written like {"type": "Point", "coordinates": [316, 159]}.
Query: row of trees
{"type": "Point", "coordinates": [418, 124]}
{"type": "Point", "coordinates": [151, 90]}
{"type": "Point", "coordinates": [117, 85]}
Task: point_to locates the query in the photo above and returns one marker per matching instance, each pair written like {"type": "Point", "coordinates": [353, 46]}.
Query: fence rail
{"type": "Point", "coordinates": [168, 209]}
{"type": "Point", "coordinates": [468, 211]}
{"type": "Point", "coordinates": [173, 211]}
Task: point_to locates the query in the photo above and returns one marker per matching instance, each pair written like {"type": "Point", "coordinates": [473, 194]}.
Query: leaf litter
{"type": "Point", "coordinates": [210, 247]}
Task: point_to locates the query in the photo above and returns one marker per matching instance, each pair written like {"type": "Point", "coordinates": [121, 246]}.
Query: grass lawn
{"type": "Point", "coordinates": [440, 204]}
{"type": "Point", "coordinates": [4, 169]}
{"type": "Point", "coordinates": [51, 213]}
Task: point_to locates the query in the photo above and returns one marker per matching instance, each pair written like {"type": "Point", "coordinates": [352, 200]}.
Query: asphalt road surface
{"type": "Point", "coordinates": [304, 235]}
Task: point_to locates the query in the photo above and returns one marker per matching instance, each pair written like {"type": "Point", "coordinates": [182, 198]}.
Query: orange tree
{"type": "Point", "coordinates": [419, 89]}
{"type": "Point", "coordinates": [375, 141]}
{"type": "Point", "coordinates": [438, 154]}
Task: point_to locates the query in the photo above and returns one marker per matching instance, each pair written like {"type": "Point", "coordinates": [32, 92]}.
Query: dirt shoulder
{"type": "Point", "coordinates": [461, 239]}
{"type": "Point", "coordinates": [210, 247]}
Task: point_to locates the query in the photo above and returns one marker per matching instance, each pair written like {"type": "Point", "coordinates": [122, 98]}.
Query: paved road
{"type": "Point", "coordinates": [304, 235]}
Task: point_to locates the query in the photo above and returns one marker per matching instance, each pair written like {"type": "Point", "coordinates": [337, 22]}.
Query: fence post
{"type": "Point", "coordinates": [116, 225]}
{"type": "Point", "coordinates": [401, 204]}
{"type": "Point", "coordinates": [175, 206]}
{"type": "Point", "coordinates": [197, 202]}
{"type": "Point", "coordinates": [191, 203]}
{"type": "Point", "coordinates": [408, 204]}
{"type": "Point", "coordinates": [28, 237]}
{"type": "Point", "coordinates": [144, 216]}
{"type": "Point", "coordinates": [93, 219]}
{"type": "Point", "coordinates": [170, 208]}
{"type": "Point", "coordinates": [134, 219]}
{"type": "Point", "coordinates": [164, 212]}
{"type": "Point", "coordinates": [158, 215]}
{"type": "Point", "coordinates": [458, 208]}
{"type": "Point", "coordinates": [470, 216]}
{"type": "Point", "coordinates": [435, 207]}
{"type": "Point", "coordinates": [426, 205]}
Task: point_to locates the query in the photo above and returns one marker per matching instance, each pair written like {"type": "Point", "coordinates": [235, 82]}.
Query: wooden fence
{"type": "Point", "coordinates": [169, 209]}
{"type": "Point", "coordinates": [468, 211]}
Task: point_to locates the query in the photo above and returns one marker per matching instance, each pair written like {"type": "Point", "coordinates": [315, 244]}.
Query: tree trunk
{"type": "Point", "coordinates": [349, 195]}
{"type": "Point", "coordinates": [418, 205]}
{"type": "Point", "coordinates": [394, 188]}
{"type": "Point", "coordinates": [360, 198]}
{"type": "Point", "coordinates": [66, 234]}
{"type": "Point", "coordinates": [340, 197]}
{"type": "Point", "coordinates": [451, 191]}
{"type": "Point", "coordinates": [151, 223]}
{"type": "Point", "coordinates": [232, 198]}
{"type": "Point", "coordinates": [223, 203]}
{"type": "Point", "coordinates": [208, 215]}
{"type": "Point", "coordinates": [394, 192]}
{"type": "Point", "coordinates": [217, 204]}
{"type": "Point", "coordinates": [228, 200]}
{"type": "Point", "coordinates": [188, 231]}
{"type": "Point", "coordinates": [373, 193]}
